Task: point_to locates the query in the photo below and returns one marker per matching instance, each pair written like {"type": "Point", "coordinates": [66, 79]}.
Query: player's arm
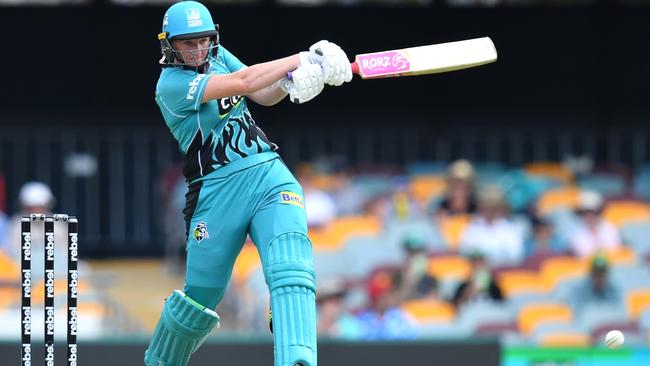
{"type": "Point", "coordinates": [250, 79]}
{"type": "Point", "coordinates": [270, 95]}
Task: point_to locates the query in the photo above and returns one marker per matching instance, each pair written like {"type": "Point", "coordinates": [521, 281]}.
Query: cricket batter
{"type": "Point", "coordinates": [238, 184]}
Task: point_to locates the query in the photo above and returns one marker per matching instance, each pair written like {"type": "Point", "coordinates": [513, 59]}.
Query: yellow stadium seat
{"type": "Point", "coordinates": [562, 197]}
{"type": "Point", "coordinates": [520, 281]}
{"type": "Point", "coordinates": [429, 311]}
{"type": "Point", "coordinates": [247, 261]}
{"type": "Point", "coordinates": [425, 187]}
{"type": "Point", "coordinates": [556, 269]}
{"type": "Point", "coordinates": [533, 315]}
{"type": "Point", "coordinates": [554, 171]}
{"type": "Point", "coordinates": [9, 270]}
{"type": "Point", "coordinates": [620, 213]}
{"type": "Point", "coordinates": [450, 267]}
{"type": "Point", "coordinates": [637, 302]}
{"type": "Point", "coordinates": [453, 227]}
{"type": "Point", "coordinates": [565, 339]}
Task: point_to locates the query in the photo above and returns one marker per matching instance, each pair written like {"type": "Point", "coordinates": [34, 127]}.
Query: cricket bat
{"type": "Point", "coordinates": [431, 59]}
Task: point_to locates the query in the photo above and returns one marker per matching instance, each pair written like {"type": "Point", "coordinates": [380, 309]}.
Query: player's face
{"type": "Point", "coordinates": [193, 51]}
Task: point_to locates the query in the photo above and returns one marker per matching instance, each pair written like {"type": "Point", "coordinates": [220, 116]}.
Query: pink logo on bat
{"type": "Point", "coordinates": [389, 62]}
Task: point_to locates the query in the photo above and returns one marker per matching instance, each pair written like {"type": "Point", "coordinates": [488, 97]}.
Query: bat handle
{"type": "Point", "coordinates": [354, 66]}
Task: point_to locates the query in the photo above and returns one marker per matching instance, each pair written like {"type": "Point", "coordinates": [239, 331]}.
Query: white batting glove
{"type": "Point", "coordinates": [305, 84]}
{"type": "Point", "coordinates": [333, 60]}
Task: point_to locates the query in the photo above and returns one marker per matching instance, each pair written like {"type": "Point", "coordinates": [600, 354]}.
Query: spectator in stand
{"type": "Point", "coordinates": [460, 196]}
{"type": "Point", "coordinates": [481, 285]}
{"type": "Point", "coordinates": [3, 230]}
{"type": "Point", "coordinates": [594, 233]}
{"type": "Point", "coordinates": [383, 319]}
{"type": "Point", "coordinates": [414, 281]}
{"type": "Point", "coordinates": [319, 205]}
{"type": "Point", "coordinates": [333, 319]}
{"type": "Point", "coordinates": [544, 240]}
{"type": "Point", "coordinates": [597, 288]}
{"type": "Point", "coordinates": [492, 233]}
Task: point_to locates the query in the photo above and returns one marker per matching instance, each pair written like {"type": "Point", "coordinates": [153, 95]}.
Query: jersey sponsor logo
{"type": "Point", "coordinates": [193, 18]}
{"type": "Point", "coordinates": [193, 86]}
{"type": "Point", "coordinates": [227, 104]}
{"type": "Point", "coordinates": [291, 198]}
{"type": "Point", "coordinates": [200, 232]}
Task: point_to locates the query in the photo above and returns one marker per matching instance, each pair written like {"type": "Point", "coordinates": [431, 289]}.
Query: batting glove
{"type": "Point", "coordinates": [333, 60]}
{"type": "Point", "coordinates": [305, 84]}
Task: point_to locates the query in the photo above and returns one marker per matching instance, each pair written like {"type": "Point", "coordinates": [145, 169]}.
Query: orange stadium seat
{"type": "Point", "coordinates": [620, 213]}
{"type": "Point", "coordinates": [334, 235]}
{"type": "Point", "coordinates": [453, 227]}
{"type": "Point", "coordinates": [533, 315]}
{"type": "Point", "coordinates": [323, 181]}
{"type": "Point", "coordinates": [638, 301]}
{"type": "Point", "coordinates": [554, 270]}
{"type": "Point", "coordinates": [9, 270]}
{"type": "Point", "coordinates": [520, 281]}
{"type": "Point", "coordinates": [449, 267]}
{"type": "Point", "coordinates": [247, 261]}
{"type": "Point", "coordinates": [425, 187]}
{"type": "Point", "coordinates": [565, 339]}
{"type": "Point", "coordinates": [550, 170]}
{"type": "Point", "coordinates": [429, 311]}
{"type": "Point", "coordinates": [9, 296]}
{"type": "Point", "coordinates": [60, 289]}
{"type": "Point", "coordinates": [621, 256]}
{"type": "Point", "coordinates": [562, 197]}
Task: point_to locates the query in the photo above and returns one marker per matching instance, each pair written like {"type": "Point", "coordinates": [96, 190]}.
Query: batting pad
{"type": "Point", "coordinates": [183, 326]}
{"type": "Point", "coordinates": [291, 280]}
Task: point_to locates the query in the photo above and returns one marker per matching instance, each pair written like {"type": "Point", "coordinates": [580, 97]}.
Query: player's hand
{"type": "Point", "coordinates": [333, 60]}
{"type": "Point", "coordinates": [305, 84]}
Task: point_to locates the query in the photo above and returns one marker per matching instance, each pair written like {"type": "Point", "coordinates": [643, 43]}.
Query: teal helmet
{"type": "Point", "coordinates": [186, 20]}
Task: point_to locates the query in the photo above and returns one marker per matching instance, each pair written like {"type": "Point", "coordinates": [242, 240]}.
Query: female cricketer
{"type": "Point", "coordinates": [238, 184]}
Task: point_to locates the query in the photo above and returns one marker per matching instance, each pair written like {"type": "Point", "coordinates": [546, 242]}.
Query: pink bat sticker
{"type": "Point", "coordinates": [382, 63]}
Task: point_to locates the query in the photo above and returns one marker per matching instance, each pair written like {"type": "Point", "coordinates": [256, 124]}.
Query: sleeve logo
{"type": "Point", "coordinates": [200, 232]}
{"type": "Point", "coordinates": [193, 86]}
{"type": "Point", "coordinates": [291, 198]}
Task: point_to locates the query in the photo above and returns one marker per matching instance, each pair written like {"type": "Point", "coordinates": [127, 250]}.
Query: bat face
{"type": "Point", "coordinates": [430, 59]}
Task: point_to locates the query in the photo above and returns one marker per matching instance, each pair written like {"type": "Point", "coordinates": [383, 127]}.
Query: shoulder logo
{"type": "Point", "coordinates": [200, 232]}
{"type": "Point", "coordinates": [193, 18]}
{"type": "Point", "coordinates": [193, 86]}
{"type": "Point", "coordinates": [291, 198]}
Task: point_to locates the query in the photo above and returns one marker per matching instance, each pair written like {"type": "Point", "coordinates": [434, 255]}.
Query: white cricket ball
{"type": "Point", "coordinates": [614, 339]}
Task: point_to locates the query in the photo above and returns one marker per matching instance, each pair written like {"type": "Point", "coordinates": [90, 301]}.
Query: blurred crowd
{"type": "Point", "coordinates": [460, 240]}
{"type": "Point", "coordinates": [551, 253]}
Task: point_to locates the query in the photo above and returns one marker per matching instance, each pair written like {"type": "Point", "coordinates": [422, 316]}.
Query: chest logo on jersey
{"type": "Point", "coordinates": [227, 104]}
{"type": "Point", "coordinates": [200, 232]}
{"type": "Point", "coordinates": [193, 86]}
{"type": "Point", "coordinates": [291, 198]}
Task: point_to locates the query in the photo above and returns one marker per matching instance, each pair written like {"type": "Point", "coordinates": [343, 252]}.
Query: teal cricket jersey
{"type": "Point", "coordinates": [211, 134]}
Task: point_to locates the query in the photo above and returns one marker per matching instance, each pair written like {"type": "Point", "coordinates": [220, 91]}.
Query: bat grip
{"type": "Point", "coordinates": [354, 66]}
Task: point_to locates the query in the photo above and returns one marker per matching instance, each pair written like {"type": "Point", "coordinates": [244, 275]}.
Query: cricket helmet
{"type": "Point", "coordinates": [186, 20]}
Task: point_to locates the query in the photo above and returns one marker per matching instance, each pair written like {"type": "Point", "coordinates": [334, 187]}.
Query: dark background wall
{"type": "Point", "coordinates": [585, 66]}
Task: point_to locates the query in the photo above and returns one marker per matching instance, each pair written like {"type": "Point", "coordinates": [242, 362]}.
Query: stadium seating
{"type": "Point", "coordinates": [533, 315]}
